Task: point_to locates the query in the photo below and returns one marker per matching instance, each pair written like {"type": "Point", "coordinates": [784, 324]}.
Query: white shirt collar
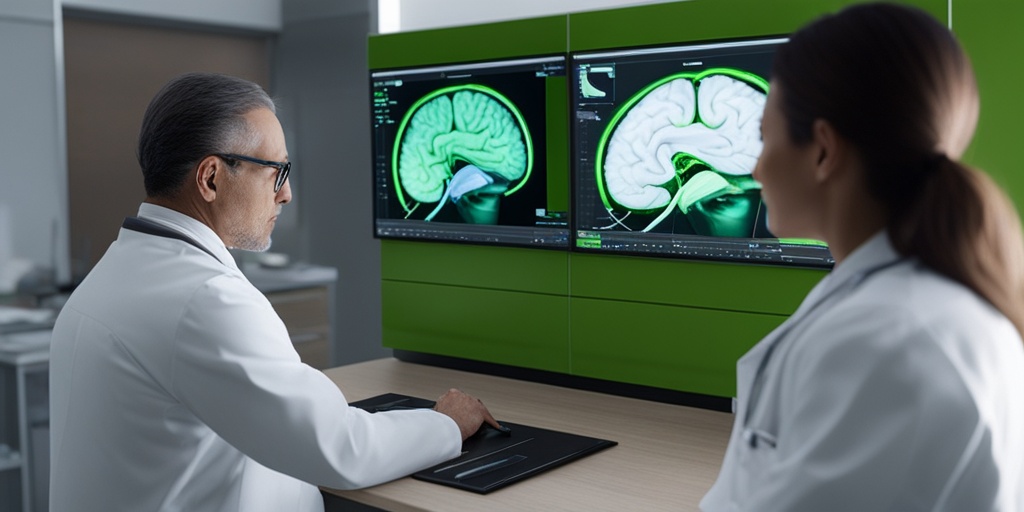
{"type": "Point", "coordinates": [188, 226]}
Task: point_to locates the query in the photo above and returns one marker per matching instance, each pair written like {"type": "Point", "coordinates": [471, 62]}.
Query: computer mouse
{"type": "Point", "coordinates": [487, 430]}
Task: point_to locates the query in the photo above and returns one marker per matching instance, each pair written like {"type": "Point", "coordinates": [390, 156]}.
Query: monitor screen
{"type": "Point", "coordinates": [460, 153]}
{"type": "Point", "coordinates": [665, 140]}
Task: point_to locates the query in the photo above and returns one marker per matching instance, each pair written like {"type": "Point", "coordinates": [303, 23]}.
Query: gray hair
{"type": "Point", "coordinates": [193, 116]}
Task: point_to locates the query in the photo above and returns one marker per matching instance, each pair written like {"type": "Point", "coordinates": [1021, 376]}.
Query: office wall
{"type": "Point", "coordinates": [116, 62]}
{"type": "Point", "coordinates": [421, 15]}
{"type": "Point", "coordinates": [322, 107]}
{"type": "Point", "coordinates": [255, 15]}
{"type": "Point", "coordinates": [322, 88]}
{"type": "Point", "coordinates": [32, 127]}
{"type": "Point", "coordinates": [32, 155]}
{"type": "Point", "coordinates": [113, 69]}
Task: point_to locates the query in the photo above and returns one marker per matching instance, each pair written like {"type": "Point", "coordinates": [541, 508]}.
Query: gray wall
{"type": "Point", "coordinates": [319, 79]}
{"type": "Point", "coordinates": [249, 15]}
{"type": "Point", "coordinates": [33, 159]}
{"type": "Point", "coordinates": [421, 15]}
{"type": "Point", "coordinates": [321, 84]}
{"type": "Point", "coordinates": [33, 154]}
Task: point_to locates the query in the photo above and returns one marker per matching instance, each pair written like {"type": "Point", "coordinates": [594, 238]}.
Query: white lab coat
{"type": "Point", "coordinates": [904, 392]}
{"type": "Point", "coordinates": [174, 387]}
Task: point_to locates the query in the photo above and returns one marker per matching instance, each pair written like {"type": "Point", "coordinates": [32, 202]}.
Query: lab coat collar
{"type": "Point", "coordinates": [874, 252]}
{"type": "Point", "coordinates": [189, 226]}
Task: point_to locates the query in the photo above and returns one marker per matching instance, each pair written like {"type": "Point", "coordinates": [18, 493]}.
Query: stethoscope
{"type": "Point", "coordinates": [752, 435]}
{"type": "Point", "coordinates": [149, 227]}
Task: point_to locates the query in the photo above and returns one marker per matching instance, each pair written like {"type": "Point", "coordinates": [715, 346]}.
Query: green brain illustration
{"type": "Point", "coordinates": [689, 143]}
{"type": "Point", "coordinates": [465, 145]}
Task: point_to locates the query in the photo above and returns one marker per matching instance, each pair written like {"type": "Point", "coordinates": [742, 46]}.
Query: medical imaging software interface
{"type": "Point", "coordinates": [665, 142]}
{"type": "Point", "coordinates": [460, 154]}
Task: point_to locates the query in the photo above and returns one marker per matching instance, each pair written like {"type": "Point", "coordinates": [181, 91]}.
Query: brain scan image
{"type": "Point", "coordinates": [461, 148]}
{"type": "Point", "coordinates": [686, 145]}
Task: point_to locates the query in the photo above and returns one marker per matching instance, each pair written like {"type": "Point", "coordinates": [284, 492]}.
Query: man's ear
{"type": "Point", "coordinates": [207, 177]}
{"type": "Point", "coordinates": [832, 149]}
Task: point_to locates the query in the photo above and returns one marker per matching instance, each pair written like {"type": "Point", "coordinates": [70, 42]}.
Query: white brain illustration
{"type": "Point", "coordinates": [717, 121]}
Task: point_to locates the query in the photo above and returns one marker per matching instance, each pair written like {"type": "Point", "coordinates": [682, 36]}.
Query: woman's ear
{"type": "Point", "coordinates": [832, 150]}
{"type": "Point", "coordinates": [206, 177]}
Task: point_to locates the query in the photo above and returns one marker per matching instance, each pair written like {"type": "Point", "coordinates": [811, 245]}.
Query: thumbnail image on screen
{"type": "Point", "coordinates": [665, 142]}
{"type": "Point", "coordinates": [459, 153]}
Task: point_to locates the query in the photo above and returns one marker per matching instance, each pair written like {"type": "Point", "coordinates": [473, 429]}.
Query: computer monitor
{"type": "Point", "coordinates": [460, 153]}
{"type": "Point", "coordinates": [665, 140]}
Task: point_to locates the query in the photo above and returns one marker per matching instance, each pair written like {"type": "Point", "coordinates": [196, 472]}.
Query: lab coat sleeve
{"type": "Point", "coordinates": [872, 396]}
{"type": "Point", "coordinates": [236, 369]}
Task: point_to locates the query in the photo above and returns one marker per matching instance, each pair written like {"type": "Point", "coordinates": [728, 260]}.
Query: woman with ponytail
{"type": "Point", "coordinates": [899, 382]}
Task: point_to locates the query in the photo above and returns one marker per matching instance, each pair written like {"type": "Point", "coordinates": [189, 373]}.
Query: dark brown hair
{"type": "Point", "coordinates": [896, 83]}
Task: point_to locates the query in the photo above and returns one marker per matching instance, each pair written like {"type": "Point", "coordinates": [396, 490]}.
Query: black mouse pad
{"type": "Point", "coordinates": [491, 459]}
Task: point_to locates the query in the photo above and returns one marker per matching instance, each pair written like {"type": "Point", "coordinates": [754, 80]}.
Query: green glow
{"type": "Point", "coordinates": [803, 241]}
{"type": "Point", "coordinates": [474, 140]}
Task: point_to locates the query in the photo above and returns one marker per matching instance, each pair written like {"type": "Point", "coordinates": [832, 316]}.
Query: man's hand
{"type": "Point", "coordinates": [468, 412]}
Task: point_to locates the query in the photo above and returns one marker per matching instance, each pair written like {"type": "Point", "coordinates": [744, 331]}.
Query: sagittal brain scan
{"type": "Point", "coordinates": [462, 147]}
{"type": "Point", "coordinates": [460, 153]}
{"type": "Point", "coordinates": [687, 143]}
{"type": "Point", "coordinates": [665, 144]}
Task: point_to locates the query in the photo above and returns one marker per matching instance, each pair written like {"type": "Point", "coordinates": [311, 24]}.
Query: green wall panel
{"type": "Point", "coordinates": [536, 36]}
{"type": "Point", "coordinates": [697, 20]}
{"type": "Point", "coordinates": [513, 328]}
{"type": "Point", "coordinates": [990, 32]}
{"type": "Point", "coordinates": [709, 285]}
{"type": "Point", "coordinates": [669, 347]}
{"type": "Point", "coordinates": [476, 266]}
{"type": "Point", "coordinates": [498, 304]}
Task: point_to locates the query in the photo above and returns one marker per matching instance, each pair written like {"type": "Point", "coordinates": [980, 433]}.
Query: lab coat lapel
{"type": "Point", "coordinates": [746, 368]}
{"type": "Point", "coordinates": [875, 252]}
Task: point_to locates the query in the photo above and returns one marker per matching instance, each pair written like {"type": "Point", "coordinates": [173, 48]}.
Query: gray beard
{"type": "Point", "coordinates": [248, 243]}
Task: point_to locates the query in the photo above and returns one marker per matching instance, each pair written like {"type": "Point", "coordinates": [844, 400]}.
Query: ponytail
{"type": "Point", "coordinates": [920, 109]}
{"type": "Point", "coordinates": [963, 226]}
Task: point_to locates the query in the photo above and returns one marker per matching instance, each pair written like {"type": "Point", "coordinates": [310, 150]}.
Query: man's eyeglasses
{"type": "Point", "coordinates": [283, 168]}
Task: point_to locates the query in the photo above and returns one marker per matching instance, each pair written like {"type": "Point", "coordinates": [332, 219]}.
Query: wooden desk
{"type": "Point", "coordinates": [667, 458]}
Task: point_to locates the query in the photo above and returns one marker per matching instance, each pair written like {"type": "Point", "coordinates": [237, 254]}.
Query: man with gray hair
{"type": "Point", "coordinates": [173, 383]}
